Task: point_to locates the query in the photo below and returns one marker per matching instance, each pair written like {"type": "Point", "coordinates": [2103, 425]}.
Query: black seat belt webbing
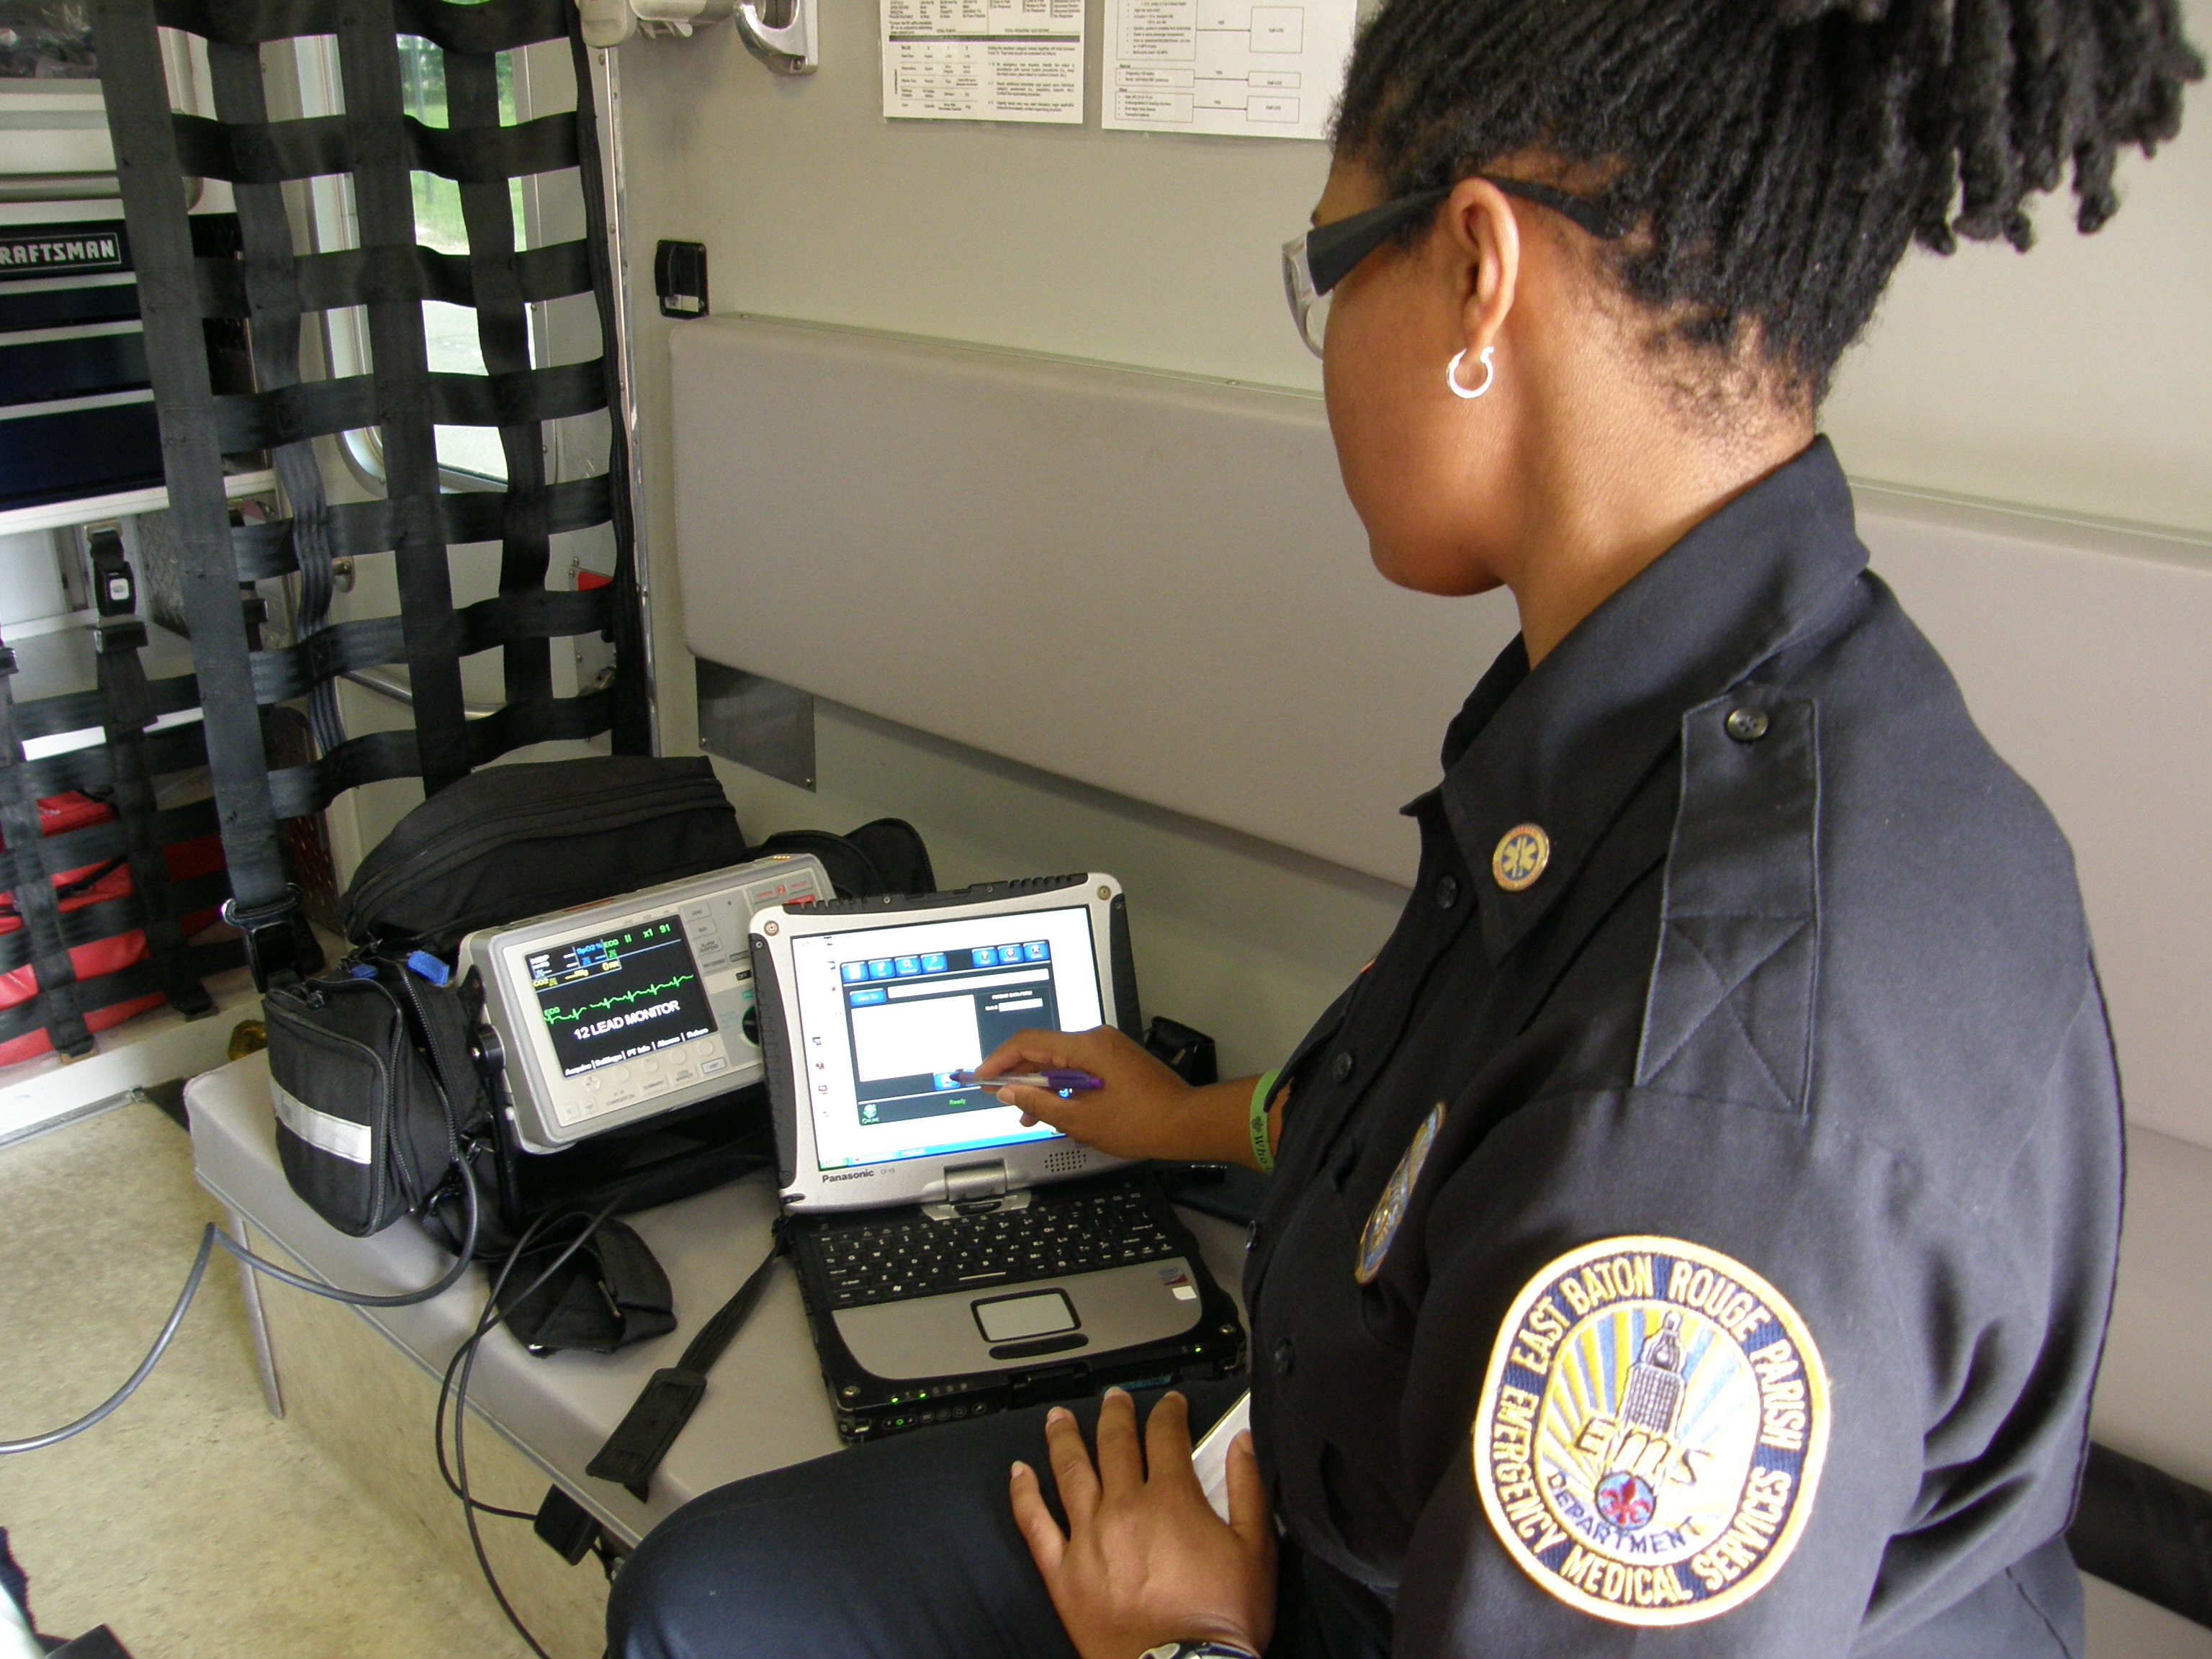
{"type": "Point", "coordinates": [643, 1438]}
{"type": "Point", "coordinates": [128, 711]}
{"type": "Point", "coordinates": [28, 875]}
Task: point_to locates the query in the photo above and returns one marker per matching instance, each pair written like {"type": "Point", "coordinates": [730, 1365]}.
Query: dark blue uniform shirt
{"type": "Point", "coordinates": [1735, 952]}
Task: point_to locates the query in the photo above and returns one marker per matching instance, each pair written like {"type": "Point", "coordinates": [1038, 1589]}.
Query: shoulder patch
{"type": "Point", "coordinates": [1652, 1431]}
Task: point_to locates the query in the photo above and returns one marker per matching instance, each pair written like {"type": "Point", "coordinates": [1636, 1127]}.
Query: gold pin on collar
{"type": "Point", "coordinates": [1523, 852]}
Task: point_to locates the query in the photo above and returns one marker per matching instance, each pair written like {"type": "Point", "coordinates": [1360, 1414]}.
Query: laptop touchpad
{"type": "Point", "coordinates": [1010, 1318]}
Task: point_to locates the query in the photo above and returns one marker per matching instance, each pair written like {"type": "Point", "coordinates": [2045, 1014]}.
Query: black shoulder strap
{"type": "Point", "coordinates": [635, 1449]}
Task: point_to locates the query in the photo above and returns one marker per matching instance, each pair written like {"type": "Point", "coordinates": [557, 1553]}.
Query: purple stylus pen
{"type": "Point", "coordinates": [1059, 1082]}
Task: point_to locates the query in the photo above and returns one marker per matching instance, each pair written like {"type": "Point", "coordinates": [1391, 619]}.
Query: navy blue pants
{"type": "Point", "coordinates": [906, 1549]}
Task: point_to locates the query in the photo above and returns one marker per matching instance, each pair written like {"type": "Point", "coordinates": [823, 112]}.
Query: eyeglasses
{"type": "Point", "coordinates": [1315, 262]}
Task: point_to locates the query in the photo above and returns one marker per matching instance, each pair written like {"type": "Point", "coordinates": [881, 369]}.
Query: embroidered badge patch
{"type": "Point", "coordinates": [1390, 1209]}
{"type": "Point", "coordinates": [1651, 1430]}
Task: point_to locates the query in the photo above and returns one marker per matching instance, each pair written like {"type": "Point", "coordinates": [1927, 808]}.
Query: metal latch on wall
{"type": "Point", "coordinates": [789, 46]}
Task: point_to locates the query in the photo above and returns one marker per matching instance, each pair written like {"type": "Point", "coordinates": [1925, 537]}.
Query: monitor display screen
{"type": "Point", "coordinates": [888, 1014]}
{"type": "Point", "coordinates": [611, 996]}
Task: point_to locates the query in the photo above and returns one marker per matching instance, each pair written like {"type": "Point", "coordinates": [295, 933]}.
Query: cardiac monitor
{"type": "Point", "coordinates": [633, 1007]}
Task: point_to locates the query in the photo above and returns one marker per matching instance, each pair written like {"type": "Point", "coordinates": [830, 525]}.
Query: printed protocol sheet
{"type": "Point", "coordinates": [983, 60]}
{"type": "Point", "coordinates": [1226, 66]}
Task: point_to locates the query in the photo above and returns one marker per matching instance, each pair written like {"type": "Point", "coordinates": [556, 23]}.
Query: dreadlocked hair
{"type": "Point", "coordinates": [1774, 158]}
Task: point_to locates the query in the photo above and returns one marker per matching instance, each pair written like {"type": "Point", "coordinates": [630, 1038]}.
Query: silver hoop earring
{"type": "Point", "coordinates": [1489, 372]}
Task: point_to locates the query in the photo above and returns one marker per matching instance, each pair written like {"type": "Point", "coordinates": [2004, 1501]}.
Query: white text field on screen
{"type": "Point", "coordinates": [988, 982]}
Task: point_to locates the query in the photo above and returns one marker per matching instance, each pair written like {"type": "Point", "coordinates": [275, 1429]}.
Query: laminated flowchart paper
{"type": "Point", "coordinates": [1246, 69]}
{"type": "Point", "coordinates": [983, 60]}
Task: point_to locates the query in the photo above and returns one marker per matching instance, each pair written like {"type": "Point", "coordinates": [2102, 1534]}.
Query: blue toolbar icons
{"type": "Point", "coordinates": [909, 965]}
{"type": "Point", "coordinates": [986, 955]}
{"type": "Point", "coordinates": [933, 962]}
{"type": "Point", "coordinates": [855, 972]}
{"type": "Point", "coordinates": [882, 969]}
{"type": "Point", "coordinates": [1038, 951]}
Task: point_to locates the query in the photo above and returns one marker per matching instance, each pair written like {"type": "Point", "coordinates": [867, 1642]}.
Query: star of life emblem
{"type": "Point", "coordinates": [1652, 1431]}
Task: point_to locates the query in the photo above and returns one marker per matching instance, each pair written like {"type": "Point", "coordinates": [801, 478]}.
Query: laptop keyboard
{"type": "Point", "coordinates": [896, 1260]}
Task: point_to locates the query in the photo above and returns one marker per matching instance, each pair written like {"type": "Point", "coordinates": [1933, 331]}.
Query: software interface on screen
{"type": "Point", "coordinates": [887, 1014]}
{"type": "Point", "coordinates": [616, 994]}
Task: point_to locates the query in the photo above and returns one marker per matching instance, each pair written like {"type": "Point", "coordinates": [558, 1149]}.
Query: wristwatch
{"type": "Point", "coordinates": [1197, 1651]}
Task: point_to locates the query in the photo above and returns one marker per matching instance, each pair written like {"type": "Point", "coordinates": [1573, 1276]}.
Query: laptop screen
{"type": "Point", "coordinates": [887, 1013]}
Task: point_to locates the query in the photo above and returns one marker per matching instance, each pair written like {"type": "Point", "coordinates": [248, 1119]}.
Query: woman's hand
{"type": "Point", "coordinates": [1146, 1560]}
{"type": "Point", "coordinates": [1144, 1111]}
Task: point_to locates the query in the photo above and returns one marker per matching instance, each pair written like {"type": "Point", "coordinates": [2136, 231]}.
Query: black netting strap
{"type": "Point", "coordinates": [503, 337]}
{"type": "Point", "coordinates": [269, 280]}
{"type": "Point", "coordinates": [175, 750]}
{"type": "Point", "coordinates": [322, 409]}
{"type": "Point", "coordinates": [57, 1006]}
{"type": "Point", "coordinates": [375, 757]}
{"type": "Point", "coordinates": [360, 529]}
{"type": "Point", "coordinates": [77, 711]}
{"type": "Point", "coordinates": [535, 613]}
{"type": "Point", "coordinates": [388, 276]}
{"type": "Point", "coordinates": [129, 711]}
{"type": "Point", "coordinates": [148, 167]}
{"type": "Point", "coordinates": [354, 276]}
{"type": "Point", "coordinates": [141, 979]}
{"type": "Point", "coordinates": [520, 724]}
{"type": "Point", "coordinates": [95, 922]}
{"type": "Point", "coordinates": [340, 648]}
{"type": "Point", "coordinates": [77, 850]}
{"type": "Point", "coordinates": [368, 61]}
{"type": "Point", "coordinates": [270, 153]}
{"type": "Point", "coordinates": [494, 26]}
{"type": "Point", "coordinates": [508, 621]}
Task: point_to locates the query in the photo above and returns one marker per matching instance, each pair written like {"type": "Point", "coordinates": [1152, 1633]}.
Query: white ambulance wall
{"type": "Point", "coordinates": [2072, 377]}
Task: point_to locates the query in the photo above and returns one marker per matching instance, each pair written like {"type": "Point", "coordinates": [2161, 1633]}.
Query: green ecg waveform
{"type": "Point", "coordinates": [554, 1017]}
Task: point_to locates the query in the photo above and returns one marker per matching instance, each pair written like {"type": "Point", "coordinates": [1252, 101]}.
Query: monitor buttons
{"type": "Point", "coordinates": [652, 1085]}
{"type": "Point", "coordinates": [708, 1068]}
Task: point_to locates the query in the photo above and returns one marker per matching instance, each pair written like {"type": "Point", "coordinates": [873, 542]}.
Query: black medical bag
{"type": "Point", "coordinates": [379, 1090]}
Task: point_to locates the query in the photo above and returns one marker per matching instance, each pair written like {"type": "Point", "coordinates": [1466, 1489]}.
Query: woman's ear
{"type": "Point", "coordinates": [1484, 242]}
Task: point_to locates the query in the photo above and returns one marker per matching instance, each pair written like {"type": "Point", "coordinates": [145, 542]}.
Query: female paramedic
{"type": "Point", "coordinates": [1693, 1233]}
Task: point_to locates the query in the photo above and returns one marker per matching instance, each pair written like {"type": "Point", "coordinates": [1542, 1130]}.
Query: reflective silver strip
{"type": "Point", "coordinates": [334, 1135]}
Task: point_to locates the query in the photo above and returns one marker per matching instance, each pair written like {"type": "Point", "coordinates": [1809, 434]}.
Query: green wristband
{"type": "Point", "coordinates": [1263, 1092]}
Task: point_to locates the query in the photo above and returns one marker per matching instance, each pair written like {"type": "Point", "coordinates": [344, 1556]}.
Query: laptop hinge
{"type": "Point", "coordinates": [971, 1181]}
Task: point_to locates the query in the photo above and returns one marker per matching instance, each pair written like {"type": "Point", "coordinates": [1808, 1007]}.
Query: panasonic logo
{"type": "Point", "coordinates": [850, 1175]}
